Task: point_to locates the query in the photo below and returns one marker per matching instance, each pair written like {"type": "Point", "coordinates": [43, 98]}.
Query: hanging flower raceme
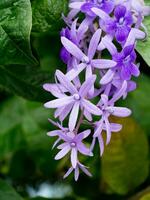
{"type": "Point", "coordinates": [87, 93]}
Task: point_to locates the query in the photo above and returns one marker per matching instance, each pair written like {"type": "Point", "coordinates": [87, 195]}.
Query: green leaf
{"type": "Point", "coordinates": [138, 102]}
{"type": "Point", "coordinates": [47, 15]}
{"type": "Point", "coordinates": [143, 46]}
{"type": "Point", "coordinates": [15, 29]}
{"type": "Point", "coordinates": [125, 161]}
{"type": "Point", "coordinates": [23, 124]}
{"type": "Point", "coordinates": [24, 81]}
{"type": "Point", "coordinates": [7, 192]}
{"type": "Point", "coordinates": [145, 197]}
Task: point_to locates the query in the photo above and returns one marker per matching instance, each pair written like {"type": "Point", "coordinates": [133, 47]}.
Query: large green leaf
{"type": "Point", "coordinates": [47, 15]}
{"type": "Point", "coordinates": [24, 81]}
{"type": "Point", "coordinates": [7, 192]}
{"type": "Point", "coordinates": [143, 46]}
{"type": "Point", "coordinates": [138, 102]}
{"type": "Point", "coordinates": [15, 28]}
{"type": "Point", "coordinates": [22, 124]}
{"type": "Point", "coordinates": [125, 161]}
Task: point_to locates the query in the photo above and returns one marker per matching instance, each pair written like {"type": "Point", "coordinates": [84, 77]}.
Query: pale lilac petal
{"type": "Point", "coordinates": [103, 15]}
{"type": "Point", "coordinates": [63, 145]}
{"type": "Point", "coordinates": [94, 43]}
{"type": "Point", "coordinates": [115, 127]}
{"type": "Point", "coordinates": [98, 129]}
{"type": "Point", "coordinates": [73, 73]}
{"type": "Point", "coordinates": [103, 63]}
{"type": "Point", "coordinates": [63, 152]}
{"type": "Point", "coordinates": [73, 116]}
{"type": "Point", "coordinates": [72, 48]}
{"type": "Point", "coordinates": [83, 135]}
{"type": "Point", "coordinates": [59, 102]}
{"type": "Point", "coordinates": [74, 157]}
{"type": "Point", "coordinates": [88, 115]}
{"type": "Point", "coordinates": [84, 169]}
{"type": "Point", "coordinates": [108, 131]}
{"type": "Point", "coordinates": [135, 70]}
{"type": "Point", "coordinates": [76, 173]}
{"type": "Point", "coordinates": [86, 86]}
{"type": "Point", "coordinates": [83, 27]}
{"type": "Point", "coordinates": [65, 112]}
{"type": "Point", "coordinates": [119, 111]}
{"type": "Point", "coordinates": [76, 5]}
{"type": "Point", "coordinates": [70, 170]}
{"type": "Point", "coordinates": [55, 89]}
{"type": "Point", "coordinates": [54, 133]}
{"type": "Point", "coordinates": [133, 35]}
{"type": "Point", "coordinates": [91, 107]}
{"type": "Point", "coordinates": [119, 93]}
{"type": "Point", "coordinates": [65, 82]}
{"type": "Point", "coordinates": [58, 111]}
{"type": "Point", "coordinates": [84, 150]}
{"type": "Point", "coordinates": [107, 77]}
{"type": "Point", "coordinates": [101, 144]}
{"type": "Point", "coordinates": [109, 45]}
{"type": "Point", "coordinates": [56, 142]}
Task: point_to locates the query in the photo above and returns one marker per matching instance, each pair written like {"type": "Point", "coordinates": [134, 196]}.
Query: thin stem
{"type": "Point", "coordinates": [80, 121]}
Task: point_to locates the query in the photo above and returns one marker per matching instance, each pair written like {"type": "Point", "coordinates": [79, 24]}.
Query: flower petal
{"type": "Point", "coordinates": [68, 172]}
{"type": "Point", "coordinates": [76, 5]}
{"type": "Point", "coordinates": [65, 82]}
{"type": "Point", "coordinates": [103, 15]}
{"type": "Point", "coordinates": [73, 73]}
{"type": "Point", "coordinates": [86, 86]}
{"type": "Point", "coordinates": [72, 48]}
{"type": "Point", "coordinates": [119, 111]}
{"type": "Point", "coordinates": [103, 63]}
{"type": "Point", "coordinates": [73, 116]}
{"type": "Point", "coordinates": [74, 157]}
{"type": "Point", "coordinates": [63, 152]}
{"type": "Point", "coordinates": [59, 102]}
{"type": "Point", "coordinates": [94, 43]}
{"type": "Point", "coordinates": [90, 107]}
{"type": "Point", "coordinates": [107, 77]}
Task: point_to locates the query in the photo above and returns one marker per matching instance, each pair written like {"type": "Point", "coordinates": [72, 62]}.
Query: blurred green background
{"type": "Point", "coordinates": [29, 56]}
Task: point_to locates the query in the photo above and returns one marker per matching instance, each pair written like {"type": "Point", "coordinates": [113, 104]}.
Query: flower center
{"type": "Point", "coordinates": [126, 60]}
{"type": "Point", "coordinates": [73, 144]}
{"type": "Point", "coordinates": [85, 59]}
{"type": "Point", "coordinates": [121, 21]}
{"type": "Point", "coordinates": [76, 97]}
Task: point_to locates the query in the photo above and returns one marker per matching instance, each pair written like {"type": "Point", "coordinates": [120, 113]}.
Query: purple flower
{"type": "Point", "coordinates": [120, 25]}
{"type": "Point", "coordinates": [108, 109]}
{"type": "Point", "coordinates": [111, 26]}
{"type": "Point", "coordinates": [77, 98]}
{"type": "Point", "coordinates": [125, 62]}
{"type": "Point", "coordinates": [87, 5]}
{"type": "Point", "coordinates": [79, 166]}
{"type": "Point", "coordinates": [72, 142]}
{"type": "Point", "coordinates": [88, 60]}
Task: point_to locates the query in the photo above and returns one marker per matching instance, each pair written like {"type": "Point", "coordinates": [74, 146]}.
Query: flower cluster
{"type": "Point", "coordinates": [99, 52]}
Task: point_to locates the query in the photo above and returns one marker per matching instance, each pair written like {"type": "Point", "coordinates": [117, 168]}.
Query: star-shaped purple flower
{"type": "Point", "coordinates": [119, 26]}
{"type": "Point", "coordinates": [71, 103]}
{"type": "Point", "coordinates": [86, 6]}
{"type": "Point", "coordinates": [72, 142]}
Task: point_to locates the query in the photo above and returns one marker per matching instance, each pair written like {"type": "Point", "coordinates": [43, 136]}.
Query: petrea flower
{"type": "Point", "coordinates": [108, 109]}
{"type": "Point", "coordinates": [111, 26]}
{"type": "Point", "coordinates": [125, 62]}
{"type": "Point", "coordinates": [120, 25]}
{"type": "Point", "coordinates": [79, 166]}
{"type": "Point", "coordinates": [86, 6]}
{"type": "Point", "coordinates": [88, 59]}
{"type": "Point", "coordinates": [76, 100]}
{"type": "Point", "coordinates": [72, 142]}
